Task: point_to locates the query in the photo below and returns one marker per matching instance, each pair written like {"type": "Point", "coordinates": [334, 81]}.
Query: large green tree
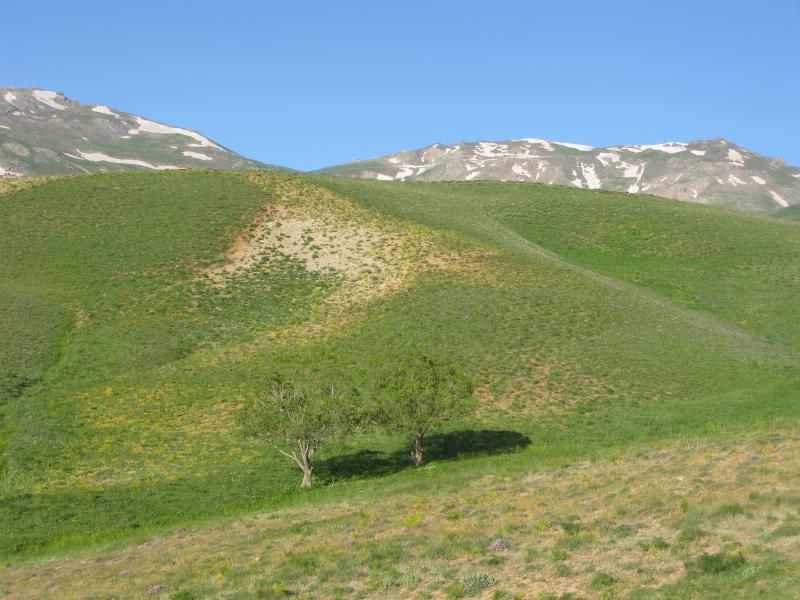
{"type": "Point", "coordinates": [415, 394]}
{"type": "Point", "coordinates": [297, 415]}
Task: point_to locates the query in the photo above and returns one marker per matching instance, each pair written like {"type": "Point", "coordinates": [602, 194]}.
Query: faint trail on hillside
{"type": "Point", "coordinates": [746, 340]}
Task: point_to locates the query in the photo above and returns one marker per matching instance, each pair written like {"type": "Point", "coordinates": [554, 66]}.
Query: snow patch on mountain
{"type": "Point", "coordinates": [735, 157]}
{"type": "Point", "coordinates": [48, 98]}
{"type": "Point", "coordinates": [147, 126]}
{"type": "Point", "coordinates": [582, 147]}
{"type": "Point", "coordinates": [734, 180]}
{"type": "Point", "coordinates": [668, 147]}
{"type": "Point", "coordinates": [197, 155]}
{"type": "Point", "coordinates": [543, 143]}
{"type": "Point", "coordinates": [100, 157]}
{"type": "Point", "coordinates": [8, 173]}
{"type": "Point", "coordinates": [520, 170]}
{"type": "Point", "coordinates": [406, 171]}
{"type": "Point", "coordinates": [636, 171]}
{"type": "Point", "coordinates": [590, 176]}
{"type": "Point", "coordinates": [779, 199]}
{"type": "Point", "coordinates": [104, 110]}
{"type": "Point", "coordinates": [606, 158]}
{"type": "Point", "coordinates": [490, 149]}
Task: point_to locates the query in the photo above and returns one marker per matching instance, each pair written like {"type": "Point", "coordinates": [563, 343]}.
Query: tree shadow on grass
{"type": "Point", "coordinates": [442, 446]}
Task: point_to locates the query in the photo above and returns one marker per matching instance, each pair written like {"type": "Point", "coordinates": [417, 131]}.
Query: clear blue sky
{"type": "Point", "coordinates": [309, 84]}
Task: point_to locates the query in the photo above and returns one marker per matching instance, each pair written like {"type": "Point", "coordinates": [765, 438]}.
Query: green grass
{"type": "Point", "coordinates": [402, 543]}
{"type": "Point", "coordinates": [591, 322]}
{"type": "Point", "coordinates": [790, 212]}
{"type": "Point", "coordinates": [743, 268]}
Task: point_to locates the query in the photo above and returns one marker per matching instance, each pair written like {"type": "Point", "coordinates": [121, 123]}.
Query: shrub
{"type": "Point", "coordinates": [571, 527]}
{"type": "Point", "coordinates": [504, 595]}
{"type": "Point", "coordinates": [654, 544]}
{"type": "Point", "coordinates": [455, 590]}
{"type": "Point", "coordinates": [730, 510]}
{"type": "Point", "coordinates": [623, 530]}
{"type": "Point", "coordinates": [563, 570]}
{"type": "Point", "coordinates": [558, 555]}
{"type": "Point", "coordinates": [476, 582]}
{"type": "Point", "coordinates": [786, 530]}
{"type": "Point", "coordinates": [690, 534]}
{"type": "Point", "coordinates": [602, 580]}
{"type": "Point", "coordinates": [715, 563]}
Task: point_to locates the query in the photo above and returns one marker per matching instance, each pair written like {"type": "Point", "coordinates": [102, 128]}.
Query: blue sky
{"type": "Point", "coordinates": [309, 84]}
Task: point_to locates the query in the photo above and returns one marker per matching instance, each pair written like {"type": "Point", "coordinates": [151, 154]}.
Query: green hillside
{"type": "Point", "coordinates": [140, 311]}
{"type": "Point", "coordinates": [791, 212]}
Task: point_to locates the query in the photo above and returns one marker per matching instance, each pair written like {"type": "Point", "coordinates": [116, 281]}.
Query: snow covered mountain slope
{"type": "Point", "coordinates": [707, 171]}
{"type": "Point", "coordinates": [43, 132]}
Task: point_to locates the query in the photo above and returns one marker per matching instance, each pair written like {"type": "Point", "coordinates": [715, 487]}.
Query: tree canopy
{"type": "Point", "coordinates": [416, 394]}
{"type": "Point", "coordinates": [296, 415]}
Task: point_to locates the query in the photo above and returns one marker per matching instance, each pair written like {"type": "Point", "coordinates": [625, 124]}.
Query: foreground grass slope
{"type": "Point", "coordinates": [140, 311]}
{"type": "Point", "coordinates": [698, 520]}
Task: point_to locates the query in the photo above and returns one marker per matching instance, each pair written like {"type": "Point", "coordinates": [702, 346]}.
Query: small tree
{"type": "Point", "coordinates": [296, 416]}
{"type": "Point", "coordinates": [415, 394]}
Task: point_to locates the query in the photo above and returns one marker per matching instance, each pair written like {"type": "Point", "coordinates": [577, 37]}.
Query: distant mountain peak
{"type": "Point", "coordinates": [44, 132]}
{"type": "Point", "coordinates": [715, 171]}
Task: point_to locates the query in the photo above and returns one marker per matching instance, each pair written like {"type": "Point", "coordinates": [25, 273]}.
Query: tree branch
{"type": "Point", "coordinates": [292, 456]}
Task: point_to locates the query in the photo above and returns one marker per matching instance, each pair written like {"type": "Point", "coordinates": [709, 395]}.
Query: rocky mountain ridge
{"type": "Point", "coordinates": [43, 132]}
{"type": "Point", "coordinates": [714, 171]}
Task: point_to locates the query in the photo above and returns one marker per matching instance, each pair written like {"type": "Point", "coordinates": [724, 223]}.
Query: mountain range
{"type": "Point", "coordinates": [43, 132]}
{"type": "Point", "coordinates": [714, 171]}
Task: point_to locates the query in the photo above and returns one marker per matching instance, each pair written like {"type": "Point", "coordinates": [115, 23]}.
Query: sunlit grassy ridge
{"type": "Point", "coordinates": [590, 322]}
{"type": "Point", "coordinates": [743, 269]}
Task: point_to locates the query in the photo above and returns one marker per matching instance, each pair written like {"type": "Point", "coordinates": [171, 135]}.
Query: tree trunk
{"type": "Point", "coordinates": [306, 483]}
{"type": "Point", "coordinates": [305, 464]}
{"type": "Point", "coordinates": [416, 449]}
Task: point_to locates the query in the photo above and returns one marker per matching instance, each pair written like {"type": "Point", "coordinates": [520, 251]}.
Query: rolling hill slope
{"type": "Point", "coordinates": [45, 133]}
{"type": "Point", "coordinates": [791, 212]}
{"type": "Point", "coordinates": [140, 311]}
{"type": "Point", "coordinates": [716, 172]}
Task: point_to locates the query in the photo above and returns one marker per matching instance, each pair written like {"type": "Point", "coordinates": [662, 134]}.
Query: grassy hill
{"type": "Point", "coordinates": [791, 212]}
{"type": "Point", "coordinates": [140, 311]}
